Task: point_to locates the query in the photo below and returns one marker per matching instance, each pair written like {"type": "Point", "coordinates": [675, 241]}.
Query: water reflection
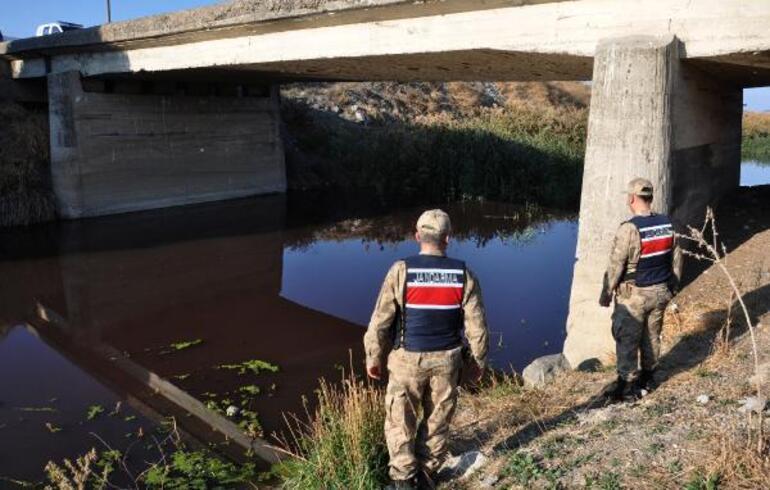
{"type": "Point", "coordinates": [755, 173]}
{"type": "Point", "coordinates": [289, 282]}
{"type": "Point", "coordinates": [523, 259]}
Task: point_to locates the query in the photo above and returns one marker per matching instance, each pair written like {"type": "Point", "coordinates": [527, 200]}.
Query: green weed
{"type": "Point", "coordinates": [254, 366]}
{"type": "Point", "coordinates": [185, 344]}
{"type": "Point", "coordinates": [94, 411]}
{"type": "Point", "coordinates": [197, 470]}
{"type": "Point", "coordinates": [524, 470]}
{"type": "Point", "coordinates": [342, 445]}
{"type": "Point", "coordinates": [699, 481]}
{"type": "Point", "coordinates": [605, 481]}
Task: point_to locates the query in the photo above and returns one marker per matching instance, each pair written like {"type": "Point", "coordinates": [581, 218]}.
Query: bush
{"type": "Point", "coordinates": [342, 446]}
{"type": "Point", "coordinates": [756, 137]}
{"type": "Point", "coordinates": [519, 154]}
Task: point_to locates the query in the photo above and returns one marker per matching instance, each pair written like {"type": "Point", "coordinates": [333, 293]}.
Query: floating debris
{"type": "Point", "coordinates": [116, 410]}
{"type": "Point", "coordinates": [186, 344]}
{"type": "Point", "coordinates": [94, 411]}
{"type": "Point", "coordinates": [36, 409]}
{"type": "Point", "coordinates": [52, 428]}
{"type": "Point", "coordinates": [250, 390]}
{"type": "Point", "coordinates": [256, 366]}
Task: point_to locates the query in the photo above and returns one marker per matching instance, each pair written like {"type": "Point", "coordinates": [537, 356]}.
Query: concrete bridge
{"type": "Point", "coordinates": [183, 108]}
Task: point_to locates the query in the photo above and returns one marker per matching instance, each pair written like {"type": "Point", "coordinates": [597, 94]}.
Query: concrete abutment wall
{"type": "Point", "coordinates": [651, 116]}
{"type": "Point", "coordinates": [120, 152]}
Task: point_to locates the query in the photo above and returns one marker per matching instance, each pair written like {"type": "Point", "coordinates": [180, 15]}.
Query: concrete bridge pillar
{"type": "Point", "coordinates": [654, 116]}
{"type": "Point", "coordinates": [119, 146]}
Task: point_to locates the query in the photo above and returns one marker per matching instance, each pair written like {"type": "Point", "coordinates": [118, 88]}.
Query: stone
{"type": "Point", "coordinates": [544, 369]}
{"type": "Point", "coordinates": [752, 404]}
{"type": "Point", "coordinates": [489, 481]}
{"type": "Point", "coordinates": [703, 399]}
{"type": "Point", "coordinates": [462, 466]}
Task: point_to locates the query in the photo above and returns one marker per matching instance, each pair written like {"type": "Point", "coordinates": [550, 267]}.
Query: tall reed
{"type": "Point", "coordinates": [342, 445]}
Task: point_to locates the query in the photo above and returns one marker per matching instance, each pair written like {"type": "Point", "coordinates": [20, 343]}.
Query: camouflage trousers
{"type": "Point", "coordinates": [423, 382]}
{"type": "Point", "coordinates": [636, 326]}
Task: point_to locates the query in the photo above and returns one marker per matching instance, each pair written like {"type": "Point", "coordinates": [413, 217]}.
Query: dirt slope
{"type": "Point", "coordinates": [690, 433]}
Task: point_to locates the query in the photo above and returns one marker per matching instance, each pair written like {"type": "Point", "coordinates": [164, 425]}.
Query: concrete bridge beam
{"type": "Point", "coordinates": [654, 116]}
{"type": "Point", "coordinates": [118, 152]}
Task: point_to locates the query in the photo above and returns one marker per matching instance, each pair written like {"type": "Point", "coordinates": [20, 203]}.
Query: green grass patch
{"type": "Point", "coordinates": [756, 148]}
{"type": "Point", "coordinates": [524, 470]}
{"type": "Point", "coordinates": [342, 445]}
{"type": "Point", "coordinates": [604, 481]}
{"type": "Point", "coordinates": [700, 481]}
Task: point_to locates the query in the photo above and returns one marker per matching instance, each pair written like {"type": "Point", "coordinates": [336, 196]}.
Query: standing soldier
{"type": "Point", "coordinates": [645, 268]}
{"type": "Point", "coordinates": [423, 305]}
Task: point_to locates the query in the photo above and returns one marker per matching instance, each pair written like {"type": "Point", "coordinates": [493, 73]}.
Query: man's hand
{"type": "Point", "coordinates": [374, 372]}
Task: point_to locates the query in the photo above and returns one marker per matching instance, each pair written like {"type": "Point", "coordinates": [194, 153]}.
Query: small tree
{"type": "Point", "coordinates": [715, 252]}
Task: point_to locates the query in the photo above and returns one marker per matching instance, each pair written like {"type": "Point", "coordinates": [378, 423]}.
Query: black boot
{"type": "Point", "coordinates": [425, 481]}
{"type": "Point", "coordinates": [646, 381]}
{"type": "Point", "coordinates": [616, 394]}
{"type": "Point", "coordinates": [401, 485]}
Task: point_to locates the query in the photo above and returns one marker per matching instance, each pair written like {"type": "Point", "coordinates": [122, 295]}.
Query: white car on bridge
{"type": "Point", "coordinates": [56, 28]}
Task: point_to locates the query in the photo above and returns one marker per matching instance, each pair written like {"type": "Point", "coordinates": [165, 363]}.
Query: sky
{"type": "Point", "coordinates": [19, 18]}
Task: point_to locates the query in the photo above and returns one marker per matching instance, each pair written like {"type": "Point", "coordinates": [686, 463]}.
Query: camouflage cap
{"type": "Point", "coordinates": [434, 221]}
{"type": "Point", "coordinates": [640, 187]}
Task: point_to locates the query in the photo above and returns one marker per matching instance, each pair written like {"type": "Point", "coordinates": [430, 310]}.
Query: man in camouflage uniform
{"type": "Point", "coordinates": [423, 307]}
{"type": "Point", "coordinates": [644, 269]}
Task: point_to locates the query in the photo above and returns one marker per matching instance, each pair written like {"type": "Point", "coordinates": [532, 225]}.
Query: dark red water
{"type": "Point", "coordinates": [287, 280]}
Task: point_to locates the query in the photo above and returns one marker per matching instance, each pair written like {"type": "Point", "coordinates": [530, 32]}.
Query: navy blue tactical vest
{"type": "Point", "coordinates": [432, 318]}
{"type": "Point", "coordinates": [657, 235]}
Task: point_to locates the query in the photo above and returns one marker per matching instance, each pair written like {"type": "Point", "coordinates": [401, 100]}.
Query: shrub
{"type": "Point", "coordinates": [519, 154]}
{"type": "Point", "coordinates": [342, 446]}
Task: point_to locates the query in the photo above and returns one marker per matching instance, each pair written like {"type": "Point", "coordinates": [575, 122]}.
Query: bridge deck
{"type": "Point", "coordinates": [243, 17]}
{"type": "Point", "coordinates": [403, 40]}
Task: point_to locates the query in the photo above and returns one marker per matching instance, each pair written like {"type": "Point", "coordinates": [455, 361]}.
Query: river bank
{"type": "Point", "coordinates": [693, 432]}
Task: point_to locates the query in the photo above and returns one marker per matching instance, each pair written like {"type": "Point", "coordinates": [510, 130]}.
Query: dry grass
{"type": "Point", "coordinates": [756, 124]}
{"type": "Point", "coordinates": [729, 454]}
{"type": "Point", "coordinates": [25, 188]}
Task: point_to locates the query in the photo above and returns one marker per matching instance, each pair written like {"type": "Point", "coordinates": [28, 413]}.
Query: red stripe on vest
{"type": "Point", "coordinates": [661, 244]}
{"type": "Point", "coordinates": [417, 295]}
